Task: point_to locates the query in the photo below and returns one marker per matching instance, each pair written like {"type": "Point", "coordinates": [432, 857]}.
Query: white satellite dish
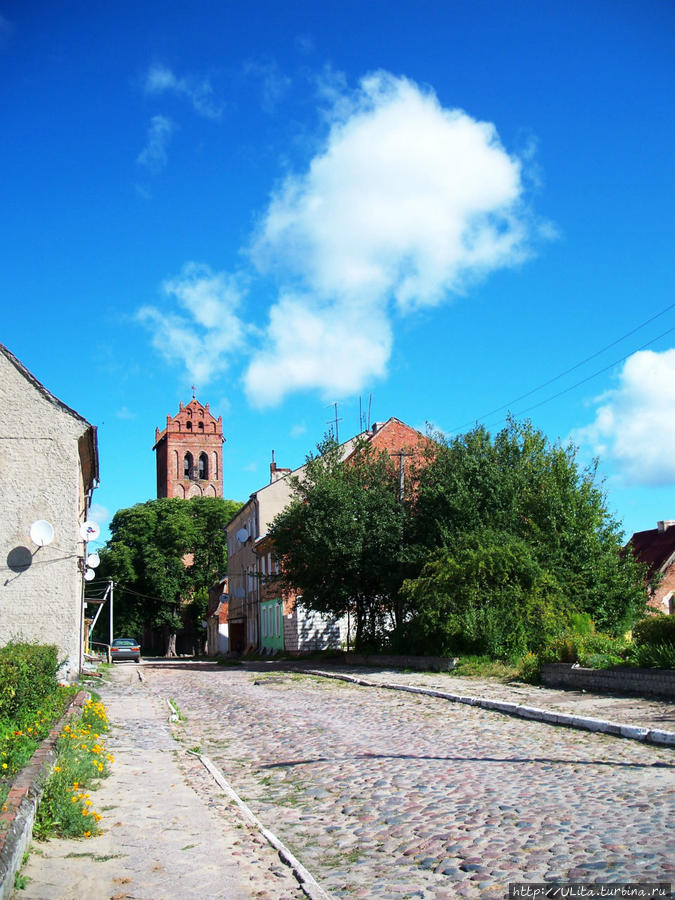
{"type": "Point", "coordinates": [242, 535]}
{"type": "Point", "coordinates": [41, 533]}
{"type": "Point", "coordinates": [93, 560]}
{"type": "Point", "coordinates": [89, 531]}
{"type": "Point", "coordinates": [89, 574]}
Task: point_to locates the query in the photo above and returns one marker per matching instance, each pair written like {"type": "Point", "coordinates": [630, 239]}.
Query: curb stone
{"type": "Point", "coordinates": [24, 798]}
{"type": "Point", "coordinates": [307, 882]}
{"type": "Point", "coordinates": [657, 736]}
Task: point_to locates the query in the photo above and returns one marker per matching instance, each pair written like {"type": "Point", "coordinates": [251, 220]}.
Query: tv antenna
{"type": "Point", "coordinates": [334, 422]}
{"type": "Point", "coordinates": [364, 418]}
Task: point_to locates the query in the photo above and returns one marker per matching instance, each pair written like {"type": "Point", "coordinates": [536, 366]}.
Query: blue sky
{"type": "Point", "coordinates": [442, 205]}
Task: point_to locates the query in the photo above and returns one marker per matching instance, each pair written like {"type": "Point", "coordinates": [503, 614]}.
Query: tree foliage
{"type": "Point", "coordinates": [486, 595]}
{"type": "Point", "coordinates": [340, 538]}
{"type": "Point", "coordinates": [170, 551]}
{"type": "Point", "coordinates": [519, 485]}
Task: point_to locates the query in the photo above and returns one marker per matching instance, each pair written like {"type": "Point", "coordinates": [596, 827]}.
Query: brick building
{"type": "Point", "coordinates": [656, 548]}
{"type": "Point", "coordinates": [190, 453]}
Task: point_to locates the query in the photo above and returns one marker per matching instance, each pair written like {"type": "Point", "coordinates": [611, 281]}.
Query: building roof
{"type": "Point", "coordinates": [91, 442]}
{"type": "Point", "coordinates": [655, 547]}
{"type": "Point", "coordinates": [185, 412]}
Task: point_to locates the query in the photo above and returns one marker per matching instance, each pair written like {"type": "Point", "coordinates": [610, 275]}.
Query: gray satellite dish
{"type": "Point", "coordinates": [41, 533]}
{"type": "Point", "coordinates": [93, 560]}
{"type": "Point", "coordinates": [242, 535]}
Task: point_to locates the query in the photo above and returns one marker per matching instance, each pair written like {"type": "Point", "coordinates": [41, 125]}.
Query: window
{"type": "Point", "coordinates": [188, 425]}
{"type": "Point", "coordinates": [200, 426]}
{"type": "Point", "coordinates": [187, 465]}
{"type": "Point", "coordinates": [203, 466]}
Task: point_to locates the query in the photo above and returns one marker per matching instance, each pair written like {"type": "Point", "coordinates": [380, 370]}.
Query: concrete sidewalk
{"type": "Point", "coordinates": [160, 841]}
{"type": "Point", "coordinates": [646, 714]}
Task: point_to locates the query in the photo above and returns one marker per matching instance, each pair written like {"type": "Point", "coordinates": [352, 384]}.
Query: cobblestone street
{"type": "Point", "coordinates": [389, 795]}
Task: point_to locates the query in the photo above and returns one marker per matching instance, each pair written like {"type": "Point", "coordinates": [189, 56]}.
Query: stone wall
{"type": "Point", "coordinates": [429, 663]}
{"type": "Point", "coordinates": [620, 680]}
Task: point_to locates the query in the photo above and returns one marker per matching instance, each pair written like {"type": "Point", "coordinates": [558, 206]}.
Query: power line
{"type": "Point", "coordinates": [573, 368]}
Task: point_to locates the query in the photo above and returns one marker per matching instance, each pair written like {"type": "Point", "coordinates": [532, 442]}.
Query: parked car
{"type": "Point", "coordinates": [125, 648]}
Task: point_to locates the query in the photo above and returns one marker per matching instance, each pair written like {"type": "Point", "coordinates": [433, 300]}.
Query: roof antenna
{"type": "Point", "coordinates": [194, 389]}
{"type": "Point", "coordinates": [334, 421]}
{"type": "Point", "coordinates": [370, 403]}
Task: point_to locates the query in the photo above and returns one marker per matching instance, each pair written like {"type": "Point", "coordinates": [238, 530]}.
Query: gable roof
{"type": "Point", "coordinates": [90, 442]}
{"type": "Point", "coordinates": [655, 547]}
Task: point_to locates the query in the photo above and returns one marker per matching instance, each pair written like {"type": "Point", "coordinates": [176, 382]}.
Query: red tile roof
{"type": "Point", "coordinates": [654, 547]}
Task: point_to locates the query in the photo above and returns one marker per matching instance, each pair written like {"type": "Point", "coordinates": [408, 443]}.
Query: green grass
{"type": "Point", "coordinates": [21, 735]}
{"type": "Point", "coordinates": [484, 667]}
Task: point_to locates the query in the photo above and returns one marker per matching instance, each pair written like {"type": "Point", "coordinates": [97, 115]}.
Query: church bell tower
{"type": "Point", "coordinates": [190, 453]}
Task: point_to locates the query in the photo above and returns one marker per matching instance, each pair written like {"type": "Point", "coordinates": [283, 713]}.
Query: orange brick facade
{"type": "Point", "coordinates": [190, 453]}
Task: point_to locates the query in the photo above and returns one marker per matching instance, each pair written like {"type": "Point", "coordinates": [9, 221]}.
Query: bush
{"type": "Point", "coordinates": [654, 630]}
{"type": "Point", "coordinates": [485, 595]}
{"type": "Point", "coordinates": [654, 656]}
{"type": "Point", "coordinates": [27, 676]}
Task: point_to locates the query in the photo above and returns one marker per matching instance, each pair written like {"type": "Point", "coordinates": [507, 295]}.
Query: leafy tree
{"type": "Point", "coordinates": [521, 485]}
{"type": "Point", "coordinates": [164, 554]}
{"type": "Point", "coordinates": [486, 594]}
{"type": "Point", "coordinates": [340, 538]}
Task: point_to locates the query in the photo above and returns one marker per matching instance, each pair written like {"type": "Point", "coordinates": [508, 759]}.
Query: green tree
{"type": "Point", "coordinates": [341, 536]}
{"type": "Point", "coordinates": [486, 594]}
{"type": "Point", "coordinates": [164, 555]}
{"type": "Point", "coordinates": [519, 484]}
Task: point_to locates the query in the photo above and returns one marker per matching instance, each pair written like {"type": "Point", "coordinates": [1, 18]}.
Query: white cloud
{"type": "Point", "coordinates": [634, 425]}
{"type": "Point", "coordinates": [298, 430]}
{"type": "Point", "coordinates": [153, 156]}
{"type": "Point", "coordinates": [335, 348]}
{"type": "Point", "coordinates": [125, 413]}
{"type": "Point", "coordinates": [407, 203]}
{"type": "Point", "coordinates": [100, 514]}
{"type": "Point", "coordinates": [274, 85]}
{"type": "Point", "coordinates": [160, 79]}
{"type": "Point", "coordinates": [206, 330]}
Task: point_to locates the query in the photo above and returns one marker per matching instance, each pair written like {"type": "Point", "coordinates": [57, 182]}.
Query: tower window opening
{"type": "Point", "coordinates": [203, 466]}
{"type": "Point", "coordinates": [188, 465]}
{"type": "Point", "coordinates": [188, 425]}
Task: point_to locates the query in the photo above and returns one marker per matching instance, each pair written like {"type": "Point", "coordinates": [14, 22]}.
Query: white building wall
{"type": "Point", "coordinates": [41, 478]}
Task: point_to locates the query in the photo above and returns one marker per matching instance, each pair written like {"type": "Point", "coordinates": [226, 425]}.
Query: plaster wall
{"type": "Point", "coordinates": [40, 589]}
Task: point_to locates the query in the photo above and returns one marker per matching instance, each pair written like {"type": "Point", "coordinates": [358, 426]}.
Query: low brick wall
{"type": "Point", "coordinates": [621, 680]}
{"type": "Point", "coordinates": [425, 663]}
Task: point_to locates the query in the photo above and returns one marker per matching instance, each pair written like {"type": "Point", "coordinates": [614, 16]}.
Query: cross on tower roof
{"type": "Point", "coordinates": [194, 389]}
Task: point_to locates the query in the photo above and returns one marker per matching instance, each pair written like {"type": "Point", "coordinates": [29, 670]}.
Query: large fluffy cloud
{"type": "Point", "coordinates": [406, 203]}
{"type": "Point", "coordinates": [634, 425]}
{"type": "Point", "coordinates": [206, 330]}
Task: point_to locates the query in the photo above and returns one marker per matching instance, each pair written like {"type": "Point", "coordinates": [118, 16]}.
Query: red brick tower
{"type": "Point", "coordinates": [190, 453]}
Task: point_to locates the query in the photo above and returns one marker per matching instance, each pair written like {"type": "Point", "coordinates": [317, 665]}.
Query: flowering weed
{"type": "Point", "coordinates": [66, 807]}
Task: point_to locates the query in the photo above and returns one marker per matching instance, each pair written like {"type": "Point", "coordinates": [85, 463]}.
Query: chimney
{"type": "Point", "coordinates": [665, 525]}
{"type": "Point", "coordinates": [275, 472]}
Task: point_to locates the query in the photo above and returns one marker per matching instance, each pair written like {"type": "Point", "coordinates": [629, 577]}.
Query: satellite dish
{"type": "Point", "coordinates": [89, 574]}
{"type": "Point", "coordinates": [41, 533]}
{"type": "Point", "coordinates": [93, 560]}
{"type": "Point", "coordinates": [89, 531]}
{"type": "Point", "coordinates": [242, 535]}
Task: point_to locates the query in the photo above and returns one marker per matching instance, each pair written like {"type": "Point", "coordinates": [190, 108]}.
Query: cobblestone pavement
{"type": "Point", "coordinates": [647, 713]}
{"type": "Point", "coordinates": [386, 795]}
{"type": "Point", "coordinates": [169, 833]}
